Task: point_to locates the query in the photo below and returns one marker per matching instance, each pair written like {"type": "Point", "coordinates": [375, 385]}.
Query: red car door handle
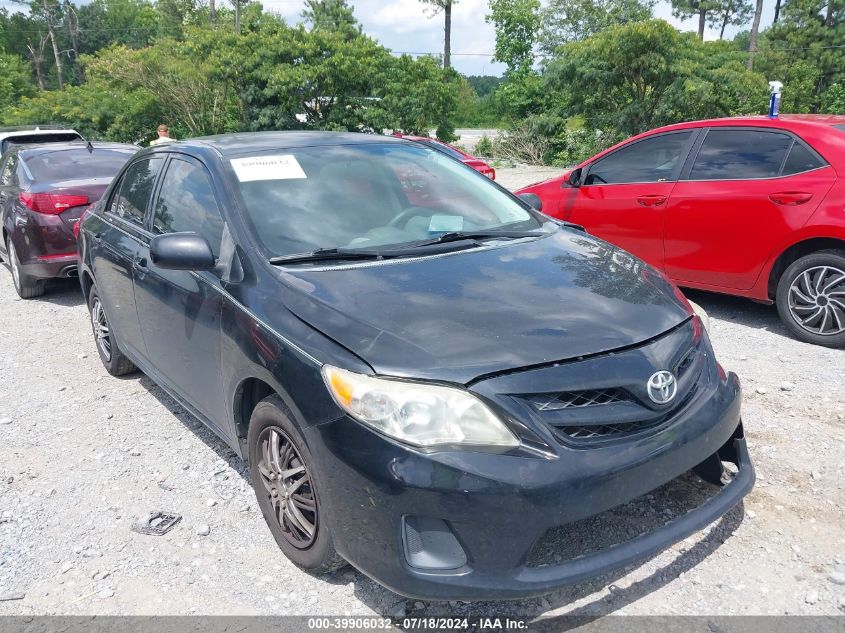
{"type": "Point", "coordinates": [790, 198]}
{"type": "Point", "coordinates": [651, 201]}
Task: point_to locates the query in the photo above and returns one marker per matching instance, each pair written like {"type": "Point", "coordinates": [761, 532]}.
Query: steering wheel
{"type": "Point", "coordinates": [402, 219]}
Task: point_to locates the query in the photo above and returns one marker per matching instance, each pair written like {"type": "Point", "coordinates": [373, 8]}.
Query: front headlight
{"type": "Point", "coordinates": [415, 413]}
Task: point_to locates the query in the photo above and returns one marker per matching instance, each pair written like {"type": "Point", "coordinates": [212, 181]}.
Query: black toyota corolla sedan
{"type": "Point", "coordinates": [424, 374]}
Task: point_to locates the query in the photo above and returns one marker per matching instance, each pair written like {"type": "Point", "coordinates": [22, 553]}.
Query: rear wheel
{"type": "Point", "coordinates": [283, 477]}
{"type": "Point", "coordinates": [26, 286]}
{"type": "Point", "coordinates": [113, 359]}
{"type": "Point", "coordinates": [811, 298]}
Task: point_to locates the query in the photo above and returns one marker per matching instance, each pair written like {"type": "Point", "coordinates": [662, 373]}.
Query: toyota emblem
{"type": "Point", "coordinates": [662, 387]}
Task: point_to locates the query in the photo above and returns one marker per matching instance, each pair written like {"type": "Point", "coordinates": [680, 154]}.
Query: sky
{"type": "Point", "coordinates": [409, 26]}
{"type": "Point", "coordinates": [405, 26]}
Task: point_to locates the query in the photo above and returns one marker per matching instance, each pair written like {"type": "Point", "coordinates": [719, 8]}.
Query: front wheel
{"type": "Point", "coordinates": [283, 477]}
{"type": "Point", "coordinates": [811, 298]}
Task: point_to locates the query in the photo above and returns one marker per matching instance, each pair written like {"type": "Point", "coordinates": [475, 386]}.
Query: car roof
{"type": "Point", "coordinates": [47, 148]}
{"type": "Point", "coordinates": [783, 121]}
{"type": "Point", "coordinates": [251, 142]}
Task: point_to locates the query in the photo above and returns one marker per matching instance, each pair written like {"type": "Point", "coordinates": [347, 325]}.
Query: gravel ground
{"type": "Point", "coordinates": [83, 456]}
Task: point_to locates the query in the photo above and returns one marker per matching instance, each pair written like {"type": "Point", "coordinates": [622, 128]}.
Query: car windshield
{"type": "Point", "coordinates": [449, 151]}
{"type": "Point", "coordinates": [73, 164]}
{"type": "Point", "coordinates": [367, 196]}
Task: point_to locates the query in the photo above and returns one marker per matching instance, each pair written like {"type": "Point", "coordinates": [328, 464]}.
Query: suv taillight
{"type": "Point", "coordinates": [51, 204]}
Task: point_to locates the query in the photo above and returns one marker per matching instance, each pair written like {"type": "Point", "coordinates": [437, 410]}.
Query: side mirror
{"type": "Point", "coordinates": [181, 251]}
{"type": "Point", "coordinates": [574, 179]}
{"type": "Point", "coordinates": [533, 200]}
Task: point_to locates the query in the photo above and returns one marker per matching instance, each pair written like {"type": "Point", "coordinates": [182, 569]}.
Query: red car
{"type": "Point", "coordinates": [476, 163]}
{"type": "Point", "coordinates": [748, 206]}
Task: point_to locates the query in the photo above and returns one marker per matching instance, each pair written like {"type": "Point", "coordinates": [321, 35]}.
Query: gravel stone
{"type": "Point", "coordinates": [837, 576]}
{"type": "Point", "coordinates": [5, 420]}
{"type": "Point", "coordinates": [8, 596]}
{"type": "Point", "coordinates": [812, 597]}
{"type": "Point", "coordinates": [203, 530]}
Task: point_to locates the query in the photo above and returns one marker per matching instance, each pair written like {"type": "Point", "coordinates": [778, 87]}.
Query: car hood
{"type": "Point", "coordinates": [502, 307]}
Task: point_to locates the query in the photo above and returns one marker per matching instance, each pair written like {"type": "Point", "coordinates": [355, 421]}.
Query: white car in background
{"type": "Point", "coordinates": [26, 135]}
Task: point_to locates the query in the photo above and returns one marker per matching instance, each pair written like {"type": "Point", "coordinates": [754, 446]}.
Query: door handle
{"type": "Point", "coordinates": [651, 201]}
{"type": "Point", "coordinates": [791, 198]}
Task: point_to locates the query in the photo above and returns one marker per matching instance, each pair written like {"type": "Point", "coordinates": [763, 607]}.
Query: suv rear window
{"type": "Point", "coordinates": [71, 164]}
{"type": "Point", "coordinates": [40, 138]}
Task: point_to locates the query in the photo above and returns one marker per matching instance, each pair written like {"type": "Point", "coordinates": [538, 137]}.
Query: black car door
{"type": "Point", "coordinates": [117, 243]}
{"type": "Point", "coordinates": [179, 310]}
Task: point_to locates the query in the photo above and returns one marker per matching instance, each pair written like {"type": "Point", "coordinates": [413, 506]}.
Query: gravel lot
{"type": "Point", "coordinates": [84, 455]}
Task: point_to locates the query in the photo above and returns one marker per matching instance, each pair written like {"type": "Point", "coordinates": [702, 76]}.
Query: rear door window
{"type": "Point", "coordinates": [186, 202]}
{"type": "Point", "coordinates": [731, 154]}
{"type": "Point", "coordinates": [800, 159]}
{"type": "Point", "coordinates": [135, 190]}
{"type": "Point", "coordinates": [653, 159]}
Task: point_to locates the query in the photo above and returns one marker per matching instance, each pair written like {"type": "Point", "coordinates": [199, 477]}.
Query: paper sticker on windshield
{"type": "Point", "coordinates": [446, 223]}
{"type": "Point", "coordinates": [281, 167]}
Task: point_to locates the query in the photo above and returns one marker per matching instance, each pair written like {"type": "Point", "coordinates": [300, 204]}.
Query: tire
{"type": "Point", "coordinates": [811, 298]}
{"type": "Point", "coordinates": [110, 353]}
{"type": "Point", "coordinates": [271, 425]}
{"type": "Point", "coordinates": [26, 286]}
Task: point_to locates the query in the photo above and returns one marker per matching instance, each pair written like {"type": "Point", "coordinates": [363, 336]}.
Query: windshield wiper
{"type": "Point", "coordinates": [457, 236]}
{"type": "Point", "coordinates": [400, 250]}
{"type": "Point", "coordinates": [323, 254]}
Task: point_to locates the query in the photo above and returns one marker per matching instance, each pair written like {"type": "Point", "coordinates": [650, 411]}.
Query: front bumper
{"type": "Point", "coordinates": [499, 506]}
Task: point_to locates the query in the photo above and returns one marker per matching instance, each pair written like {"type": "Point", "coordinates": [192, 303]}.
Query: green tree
{"type": "Point", "coordinates": [812, 31]}
{"type": "Point", "coordinates": [516, 23]}
{"type": "Point", "coordinates": [15, 80]}
{"type": "Point", "coordinates": [132, 23]}
{"type": "Point", "coordinates": [483, 85]}
{"type": "Point", "coordinates": [573, 20]}
{"type": "Point", "coordinates": [634, 77]}
{"type": "Point", "coordinates": [833, 101]}
{"type": "Point", "coordinates": [731, 13]}
{"type": "Point", "coordinates": [685, 9]}
{"type": "Point", "coordinates": [331, 15]}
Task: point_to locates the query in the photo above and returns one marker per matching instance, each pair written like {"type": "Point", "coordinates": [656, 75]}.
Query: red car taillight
{"type": "Point", "coordinates": [78, 222]}
{"type": "Point", "coordinates": [51, 204]}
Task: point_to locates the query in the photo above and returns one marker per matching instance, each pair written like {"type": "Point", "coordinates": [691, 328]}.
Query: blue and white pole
{"type": "Point", "coordinates": [774, 98]}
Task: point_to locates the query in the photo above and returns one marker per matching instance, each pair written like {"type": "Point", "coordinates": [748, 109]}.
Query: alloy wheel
{"type": "Point", "coordinates": [14, 265]}
{"type": "Point", "coordinates": [101, 328]}
{"type": "Point", "coordinates": [817, 300]}
{"type": "Point", "coordinates": [287, 482]}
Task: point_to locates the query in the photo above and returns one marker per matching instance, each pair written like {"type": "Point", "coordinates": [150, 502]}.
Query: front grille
{"type": "Point", "coordinates": [605, 431]}
{"type": "Point", "coordinates": [574, 399]}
